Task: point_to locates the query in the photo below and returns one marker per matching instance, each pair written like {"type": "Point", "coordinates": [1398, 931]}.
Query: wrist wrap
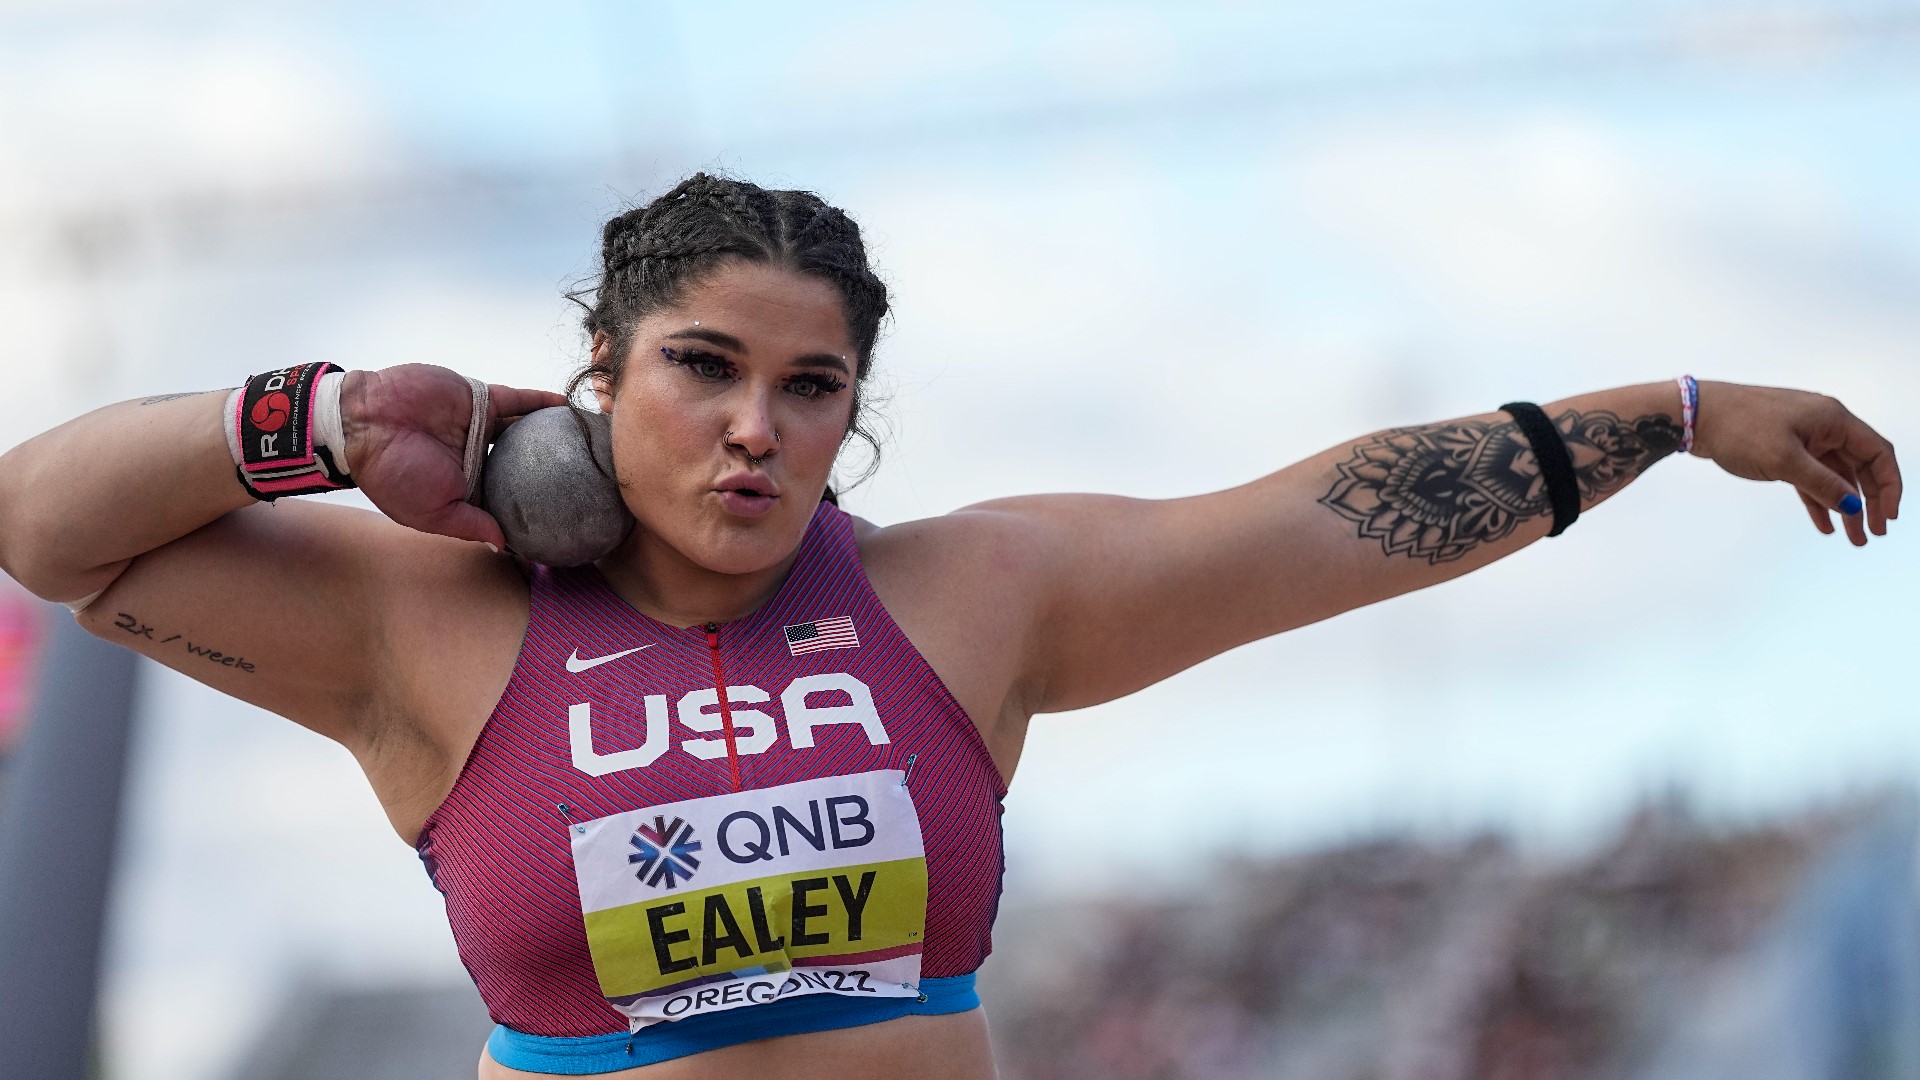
{"type": "Point", "coordinates": [273, 430]}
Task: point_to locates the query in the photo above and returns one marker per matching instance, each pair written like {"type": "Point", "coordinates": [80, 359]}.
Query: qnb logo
{"type": "Point", "coordinates": [754, 729]}
{"type": "Point", "coordinates": [746, 836]}
{"type": "Point", "coordinates": [665, 852]}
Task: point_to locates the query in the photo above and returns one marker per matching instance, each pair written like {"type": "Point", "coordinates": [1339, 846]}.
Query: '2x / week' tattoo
{"type": "Point", "coordinates": [1439, 491]}
{"type": "Point", "coordinates": [139, 629]}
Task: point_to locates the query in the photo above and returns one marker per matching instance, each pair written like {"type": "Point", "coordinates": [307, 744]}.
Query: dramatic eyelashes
{"type": "Point", "coordinates": [712, 366]}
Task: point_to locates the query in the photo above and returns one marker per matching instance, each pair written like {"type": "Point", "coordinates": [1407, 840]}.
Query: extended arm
{"type": "Point", "coordinates": [1130, 591]}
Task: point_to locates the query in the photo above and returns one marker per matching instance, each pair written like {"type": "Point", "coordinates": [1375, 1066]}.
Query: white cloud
{"type": "Point", "coordinates": [1119, 51]}
{"type": "Point", "coordinates": [128, 115]}
{"type": "Point", "coordinates": [1558, 231]}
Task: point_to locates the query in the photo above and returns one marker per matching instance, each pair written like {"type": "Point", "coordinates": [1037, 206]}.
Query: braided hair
{"type": "Point", "coordinates": [651, 254]}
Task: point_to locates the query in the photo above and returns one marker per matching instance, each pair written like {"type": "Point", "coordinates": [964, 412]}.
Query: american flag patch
{"type": "Point", "coordinates": [809, 637]}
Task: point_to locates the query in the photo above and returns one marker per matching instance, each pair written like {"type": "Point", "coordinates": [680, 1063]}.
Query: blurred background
{"type": "Point", "coordinates": [1633, 803]}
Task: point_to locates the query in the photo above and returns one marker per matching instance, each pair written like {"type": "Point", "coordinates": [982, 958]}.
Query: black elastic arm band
{"type": "Point", "coordinates": [1556, 465]}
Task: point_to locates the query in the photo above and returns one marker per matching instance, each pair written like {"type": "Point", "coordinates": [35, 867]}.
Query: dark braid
{"type": "Point", "coordinates": [650, 255]}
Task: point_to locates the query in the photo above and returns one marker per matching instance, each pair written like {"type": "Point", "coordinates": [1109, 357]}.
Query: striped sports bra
{"type": "Point", "coordinates": [668, 839]}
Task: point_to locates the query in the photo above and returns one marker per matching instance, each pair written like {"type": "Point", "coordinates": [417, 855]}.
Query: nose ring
{"type": "Point", "coordinates": [729, 438]}
{"type": "Point", "coordinates": [752, 459]}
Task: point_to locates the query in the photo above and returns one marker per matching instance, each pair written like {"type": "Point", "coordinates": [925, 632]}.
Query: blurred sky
{"type": "Point", "coordinates": [1142, 249]}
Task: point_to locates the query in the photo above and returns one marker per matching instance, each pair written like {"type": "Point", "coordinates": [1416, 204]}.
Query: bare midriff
{"type": "Point", "coordinates": [950, 1047]}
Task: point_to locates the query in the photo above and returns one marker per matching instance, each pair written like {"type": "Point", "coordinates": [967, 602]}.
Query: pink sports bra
{"type": "Point", "coordinates": [670, 838]}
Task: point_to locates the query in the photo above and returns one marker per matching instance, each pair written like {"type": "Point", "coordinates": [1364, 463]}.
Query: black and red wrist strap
{"type": "Point", "coordinates": [280, 452]}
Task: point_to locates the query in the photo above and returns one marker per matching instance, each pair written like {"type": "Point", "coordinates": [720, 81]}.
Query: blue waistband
{"type": "Point", "coordinates": [589, 1054]}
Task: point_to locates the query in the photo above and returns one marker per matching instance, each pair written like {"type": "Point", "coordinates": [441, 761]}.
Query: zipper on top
{"type": "Point", "coordinates": [726, 708]}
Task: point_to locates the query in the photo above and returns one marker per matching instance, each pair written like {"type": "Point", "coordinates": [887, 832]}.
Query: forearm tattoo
{"type": "Point", "coordinates": [1439, 491]}
{"type": "Point", "coordinates": [134, 627]}
{"type": "Point", "coordinates": [158, 398]}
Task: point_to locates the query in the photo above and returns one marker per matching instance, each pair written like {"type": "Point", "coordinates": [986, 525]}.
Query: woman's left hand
{"type": "Point", "coordinates": [1808, 440]}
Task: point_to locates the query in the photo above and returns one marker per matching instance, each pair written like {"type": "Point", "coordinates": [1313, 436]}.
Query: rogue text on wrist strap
{"type": "Point", "coordinates": [275, 432]}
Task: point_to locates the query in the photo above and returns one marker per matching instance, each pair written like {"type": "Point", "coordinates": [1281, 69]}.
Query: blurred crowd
{"type": "Point", "coordinates": [20, 633]}
{"type": "Point", "coordinates": [1398, 961]}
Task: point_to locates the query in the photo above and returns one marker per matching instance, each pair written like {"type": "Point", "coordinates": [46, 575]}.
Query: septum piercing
{"type": "Point", "coordinates": [751, 459]}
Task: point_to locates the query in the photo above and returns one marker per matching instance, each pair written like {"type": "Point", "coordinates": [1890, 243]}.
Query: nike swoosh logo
{"type": "Point", "coordinates": [577, 665]}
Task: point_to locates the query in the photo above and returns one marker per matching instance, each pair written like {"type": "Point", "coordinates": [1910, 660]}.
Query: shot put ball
{"type": "Point", "coordinates": [541, 484]}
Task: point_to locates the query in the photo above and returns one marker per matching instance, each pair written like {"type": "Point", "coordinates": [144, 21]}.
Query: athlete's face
{"type": "Point", "coordinates": [729, 412]}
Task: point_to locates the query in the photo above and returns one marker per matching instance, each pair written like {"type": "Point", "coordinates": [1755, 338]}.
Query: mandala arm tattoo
{"type": "Point", "coordinates": [1439, 491]}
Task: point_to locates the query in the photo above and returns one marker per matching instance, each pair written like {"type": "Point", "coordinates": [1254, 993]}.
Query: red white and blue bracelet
{"type": "Point", "coordinates": [1689, 410]}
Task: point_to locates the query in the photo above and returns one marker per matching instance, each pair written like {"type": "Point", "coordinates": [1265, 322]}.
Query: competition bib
{"type": "Point", "coordinates": [695, 907]}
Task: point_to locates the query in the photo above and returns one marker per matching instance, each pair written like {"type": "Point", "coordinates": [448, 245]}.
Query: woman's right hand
{"type": "Point", "coordinates": [406, 433]}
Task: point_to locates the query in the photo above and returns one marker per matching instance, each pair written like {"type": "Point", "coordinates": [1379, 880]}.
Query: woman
{"type": "Point", "coordinates": [725, 803]}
